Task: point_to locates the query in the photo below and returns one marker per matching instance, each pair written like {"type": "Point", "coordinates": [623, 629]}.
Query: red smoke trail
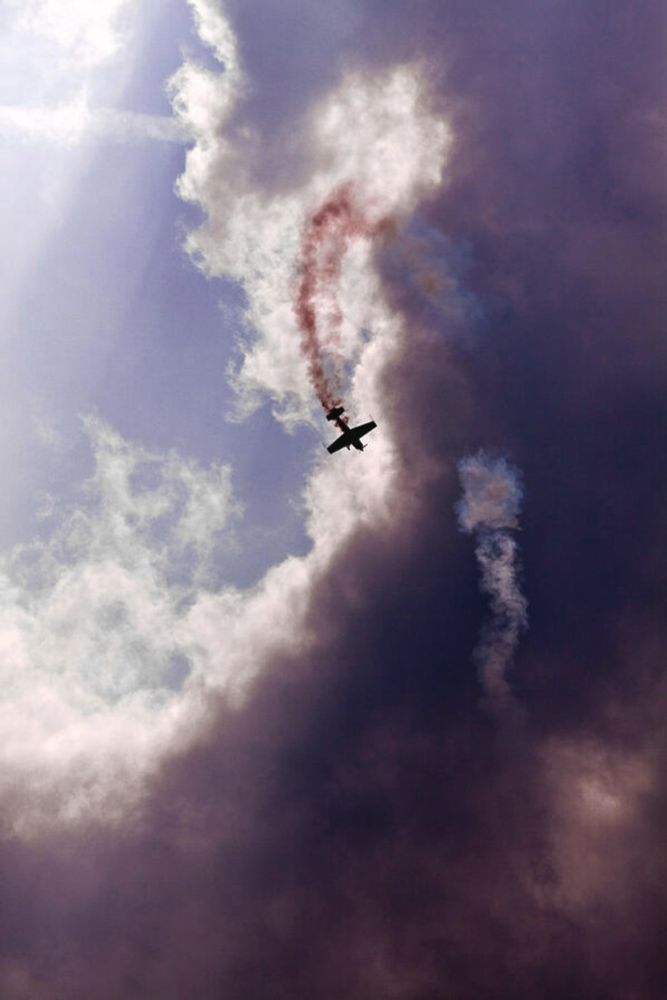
{"type": "Point", "coordinates": [326, 238]}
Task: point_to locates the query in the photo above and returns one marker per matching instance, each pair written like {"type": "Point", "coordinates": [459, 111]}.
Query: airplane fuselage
{"type": "Point", "coordinates": [350, 436]}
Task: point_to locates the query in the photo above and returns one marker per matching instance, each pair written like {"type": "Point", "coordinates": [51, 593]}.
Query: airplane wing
{"type": "Point", "coordinates": [364, 428]}
{"type": "Point", "coordinates": [337, 444]}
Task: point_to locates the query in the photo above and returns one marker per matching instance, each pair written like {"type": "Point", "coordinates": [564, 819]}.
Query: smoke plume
{"type": "Point", "coordinates": [329, 232]}
{"type": "Point", "coordinates": [489, 509]}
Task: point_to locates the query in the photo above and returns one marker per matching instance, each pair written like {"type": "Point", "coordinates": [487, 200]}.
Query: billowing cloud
{"type": "Point", "coordinates": [393, 156]}
{"type": "Point", "coordinates": [115, 625]}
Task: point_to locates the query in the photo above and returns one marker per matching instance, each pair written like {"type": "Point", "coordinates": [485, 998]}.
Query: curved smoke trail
{"type": "Point", "coordinates": [327, 236]}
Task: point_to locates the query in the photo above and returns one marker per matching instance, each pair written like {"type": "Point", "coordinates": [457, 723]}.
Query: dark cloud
{"type": "Point", "coordinates": [362, 828]}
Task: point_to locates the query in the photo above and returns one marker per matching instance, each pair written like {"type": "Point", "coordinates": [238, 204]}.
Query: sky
{"type": "Point", "coordinates": [276, 723]}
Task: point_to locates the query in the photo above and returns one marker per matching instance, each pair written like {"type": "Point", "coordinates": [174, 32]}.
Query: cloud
{"type": "Point", "coordinates": [596, 797]}
{"type": "Point", "coordinates": [97, 654]}
{"type": "Point", "coordinates": [86, 34]}
{"type": "Point", "coordinates": [394, 156]}
{"type": "Point", "coordinates": [62, 45]}
{"type": "Point", "coordinates": [115, 624]}
{"type": "Point", "coordinates": [216, 32]}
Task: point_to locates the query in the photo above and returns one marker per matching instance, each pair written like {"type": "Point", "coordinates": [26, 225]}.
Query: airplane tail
{"type": "Point", "coordinates": [335, 413]}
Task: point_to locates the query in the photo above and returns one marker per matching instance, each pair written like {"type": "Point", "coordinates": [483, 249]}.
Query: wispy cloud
{"type": "Point", "coordinates": [68, 41]}
{"type": "Point", "coordinates": [87, 34]}
{"type": "Point", "coordinates": [96, 651]}
{"type": "Point", "coordinates": [75, 122]}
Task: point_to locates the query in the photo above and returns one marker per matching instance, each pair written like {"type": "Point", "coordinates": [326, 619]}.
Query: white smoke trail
{"type": "Point", "coordinates": [489, 508]}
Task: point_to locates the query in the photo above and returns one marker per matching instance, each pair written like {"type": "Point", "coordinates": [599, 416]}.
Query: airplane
{"type": "Point", "coordinates": [350, 435]}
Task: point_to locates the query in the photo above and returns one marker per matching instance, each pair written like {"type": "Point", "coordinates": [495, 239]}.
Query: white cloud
{"type": "Point", "coordinates": [94, 634]}
{"type": "Point", "coordinates": [376, 132]}
{"type": "Point", "coordinates": [202, 98]}
{"type": "Point", "coordinates": [216, 32]}
{"type": "Point", "coordinates": [379, 132]}
{"type": "Point", "coordinates": [114, 631]}
{"type": "Point", "coordinates": [64, 43]}
{"type": "Point", "coordinates": [373, 131]}
{"type": "Point", "coordinates": [86, 33]}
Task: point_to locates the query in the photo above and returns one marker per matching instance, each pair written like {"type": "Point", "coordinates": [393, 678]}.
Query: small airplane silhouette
{"type": "Point", "coordinates": [350, 435]}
